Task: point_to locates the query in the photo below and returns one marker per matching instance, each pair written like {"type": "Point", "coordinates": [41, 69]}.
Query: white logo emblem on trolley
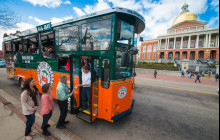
{"type": "Point", "coordinates": [122, 92]}
{"type": "Point", "coordinates": [45, 74]}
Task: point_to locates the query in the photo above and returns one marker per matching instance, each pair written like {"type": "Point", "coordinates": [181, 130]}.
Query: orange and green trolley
{"type": "Point", "coordinates": [106, 38]}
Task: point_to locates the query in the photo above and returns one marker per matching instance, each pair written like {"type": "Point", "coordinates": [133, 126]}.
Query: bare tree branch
{"type": "Point", "coordinates": [8, 18]}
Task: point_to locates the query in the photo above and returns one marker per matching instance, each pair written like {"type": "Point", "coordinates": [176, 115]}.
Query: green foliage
{"type": "Point", "coordinates": [157, 66]}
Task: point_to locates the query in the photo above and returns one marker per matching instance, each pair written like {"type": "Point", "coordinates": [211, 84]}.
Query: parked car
{"type": "Point", "coordinates": [2, 64]}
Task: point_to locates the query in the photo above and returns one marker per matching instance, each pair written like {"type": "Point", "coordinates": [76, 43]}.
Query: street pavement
{"type": "Point", "coordinates": [166, 108]}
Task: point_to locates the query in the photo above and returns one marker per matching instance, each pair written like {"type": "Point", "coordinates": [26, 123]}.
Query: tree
{"type": "Point", "coordinates": [8, 18]}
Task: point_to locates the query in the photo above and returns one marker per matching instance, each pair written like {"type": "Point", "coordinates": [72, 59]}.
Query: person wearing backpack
{"type": "Point", "coordinates": [198, 77]}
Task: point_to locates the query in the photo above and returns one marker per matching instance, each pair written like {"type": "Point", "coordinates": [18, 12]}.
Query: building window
{"type": "Point", "coordinates": [201, 28]}
{"type": "Point", "coordinates": [149, 48]}
{"type": "Point", "coordinates": [144, 48]}
{"type": "Point", "coordinates": [178, 31]}
{"type": "Point", "coordinates": [163, 46]}
{"type": "Point", "coordinates": [178, 44]}
{"type": "Point", "coordinates": [184, 44]}
{"type": "Point", "coordinates": [185, 30]}
{"type": "Point", "coordinates": [154, 55]}
{"type": "Point", "coordinates": [200, 43]}
{"type": "Point", "coordinates": [143, 55]}
{"type": "Point", "coordinates": [155, 48]}
{"type": "Point", "coordinates": [193, 29]}
{"type": "Point", "coordinates": [212, 43]}
{"type": "Point", "coordinates": [171, 45]}
{"type": "Point", "coordinates": [192, 44]}
{"type": "Point", "coordinates": [148, 56]}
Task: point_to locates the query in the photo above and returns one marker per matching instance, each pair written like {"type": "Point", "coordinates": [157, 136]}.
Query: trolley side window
{"type": "Point", "coordinates": [105, 74]}
{"type": "Point", "coordinates": [96, 35]}
{"type": "Point", "coordinates": [123, 64]}
{"type": "Point", "coordinates": [8, 48]}
{"type": "Point", "coordinates": [48, 45]}
{"type": "Point", "coordinates": [17, 46]}
{"type": "Point", "coordinates": [68, 39]}
{"type": "Point", "coordinates": [31, 44]}
{"type": "Point", "coordinates": [125, 33]}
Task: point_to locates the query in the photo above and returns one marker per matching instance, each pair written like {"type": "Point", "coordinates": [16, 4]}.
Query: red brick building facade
{"type": "Point", "coordinates": [187, 38]}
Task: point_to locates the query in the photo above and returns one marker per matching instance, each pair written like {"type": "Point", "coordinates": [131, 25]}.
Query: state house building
{"type": "Point", "coordinates": [187, 38]}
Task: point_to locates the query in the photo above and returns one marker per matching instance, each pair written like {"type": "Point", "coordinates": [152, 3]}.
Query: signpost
{"type": "Point", "coordinates": [44, 27]}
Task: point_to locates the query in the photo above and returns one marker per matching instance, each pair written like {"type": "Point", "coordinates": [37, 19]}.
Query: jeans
{"type": "Point", "coordinates": [29, 123]}
{"type": "Point", "coordinates": [63, 106]}
{"type": "Point", "coordinates": [46, 118]}
{"type": "Point", "coordinates": [197, 79]}
{"type": "Point", "coordinates": [86, 96]}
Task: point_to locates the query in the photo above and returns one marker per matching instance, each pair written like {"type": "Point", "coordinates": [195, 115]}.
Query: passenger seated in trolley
{"type": "Point", "coordinates": [49, 53]}
{"type": "Point", "coordinates": [33, 49]}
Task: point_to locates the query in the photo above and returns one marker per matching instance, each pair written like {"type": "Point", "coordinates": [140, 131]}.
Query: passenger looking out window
{"type": "Point", "coordinates": [33, 49]}
{"type": "Point", "coordinates": [49, 53]}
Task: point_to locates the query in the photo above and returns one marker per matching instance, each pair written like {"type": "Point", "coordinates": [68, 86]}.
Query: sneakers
{"type": "Point", "coordinates": [46, 133]}
{"type": "Point", "coordinates": [66, 122]}
{"type": "Point", "coordinates": [48, 125]}
{"type": "Point", "coordinates": [28, 138]}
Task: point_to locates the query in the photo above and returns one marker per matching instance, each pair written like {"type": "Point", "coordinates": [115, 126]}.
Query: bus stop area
{"type": "Point", "coordinates": [12, 122]}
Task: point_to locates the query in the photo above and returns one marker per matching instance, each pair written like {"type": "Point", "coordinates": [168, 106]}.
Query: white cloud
{"type": "Point", "coordinates": [20, 27]}
{"type": "Point", "coordinates": [67, 2]}
{"type": "Point", "coordinates": [101, 5]}
{"type": "Point", "coordinates": [159, 15]}
{"type": "Point", "coordinates": [78, 11]}
{"type": "Point", "coordinates": [47, 3]}
{"type": "Point", "coordinates": [53, 20]}
{"type": "Point", "coordinates": [215, 5]}
{"type": "Point", "coordinates": [214, 21]}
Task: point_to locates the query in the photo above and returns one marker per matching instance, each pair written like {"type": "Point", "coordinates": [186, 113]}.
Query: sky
{"type": "Point", "coordinates": [158, 14]}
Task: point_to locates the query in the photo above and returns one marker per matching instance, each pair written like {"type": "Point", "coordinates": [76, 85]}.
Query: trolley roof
{"type": "Point", "coordinates": [140, 20]}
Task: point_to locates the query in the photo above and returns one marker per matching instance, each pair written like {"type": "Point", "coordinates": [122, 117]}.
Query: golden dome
{"type": "Point", "coordinates": [185, 16]}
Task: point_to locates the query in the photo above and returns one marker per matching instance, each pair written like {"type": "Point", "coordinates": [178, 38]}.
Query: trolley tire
{"type": "Point", "coordinates": [21, 82]}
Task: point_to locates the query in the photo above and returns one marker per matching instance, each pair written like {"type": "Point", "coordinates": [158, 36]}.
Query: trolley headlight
{"type": "Point", "coordinates": [116, 107]}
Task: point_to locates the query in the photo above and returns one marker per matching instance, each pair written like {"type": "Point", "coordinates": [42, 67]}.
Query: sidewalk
{"type": "Point", "coordinates": [12, 122]}
{"type": "Point", "coordinates": [204, 80]}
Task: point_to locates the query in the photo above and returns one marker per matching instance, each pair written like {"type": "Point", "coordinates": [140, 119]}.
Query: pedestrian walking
{"type": "Point", "coordinates": [62, 101]}
{"type": "Point", "coordinates": [86, 87]}
{"type": "Point", "coordinates": [47, 107]}
{"type": "Point", "coordinates": [30, 101]}
{"type": "Point", "coordinates": [209, 73]}
{"type": "Point", "coordinates": [198, 77]}
{"type": "Point", "coordinates": [216, 77]}
{"type": "Point", "coordinates": [182, 73]}
{"type": "Point", "coordinates": [155, 74]}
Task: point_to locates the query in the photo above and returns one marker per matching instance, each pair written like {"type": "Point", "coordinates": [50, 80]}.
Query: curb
{"type": "Point", "coordinates": [15, 106]}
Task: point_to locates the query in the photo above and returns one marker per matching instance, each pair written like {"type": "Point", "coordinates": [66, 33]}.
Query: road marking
{"type": "Point", "coordinates": [177, 88]}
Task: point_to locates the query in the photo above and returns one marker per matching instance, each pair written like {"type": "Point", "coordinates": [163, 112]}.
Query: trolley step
{"type": "Point", "coordinates": [84, 116]}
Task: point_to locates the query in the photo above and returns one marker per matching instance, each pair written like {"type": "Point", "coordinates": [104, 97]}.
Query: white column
{"type": "Point", "coordinates": [168, 44]}
{"type": "Point", "coordinates": [216, 41]}
{"type": "Point", "coordinates": [209, 41]}
{"type": "Point", "coordinates": [165, 44]}
{"type": "Point", "coordinates": [197, 41]}
{"type": "Point", "coordinates": [158, 43]}
{"type": "Point", "coordinates": [181, 44]}
{"type": "Point", "coordinates": [206, 41]}
{"type": "Point", "coordinates": [174, 43]}
{"type": "Point", "coordinates": [189, 41]}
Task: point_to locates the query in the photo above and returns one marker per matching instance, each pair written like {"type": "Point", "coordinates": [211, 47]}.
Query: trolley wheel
{"type": "Point", "coordinates": [21, 82]}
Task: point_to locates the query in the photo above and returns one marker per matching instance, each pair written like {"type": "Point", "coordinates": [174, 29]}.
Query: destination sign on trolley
{"type": "Point", "coordinates": [44, 27]}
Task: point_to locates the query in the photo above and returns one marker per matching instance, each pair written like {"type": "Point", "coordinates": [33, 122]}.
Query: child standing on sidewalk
{"type": "Point", "coordinates": [47, 107]}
